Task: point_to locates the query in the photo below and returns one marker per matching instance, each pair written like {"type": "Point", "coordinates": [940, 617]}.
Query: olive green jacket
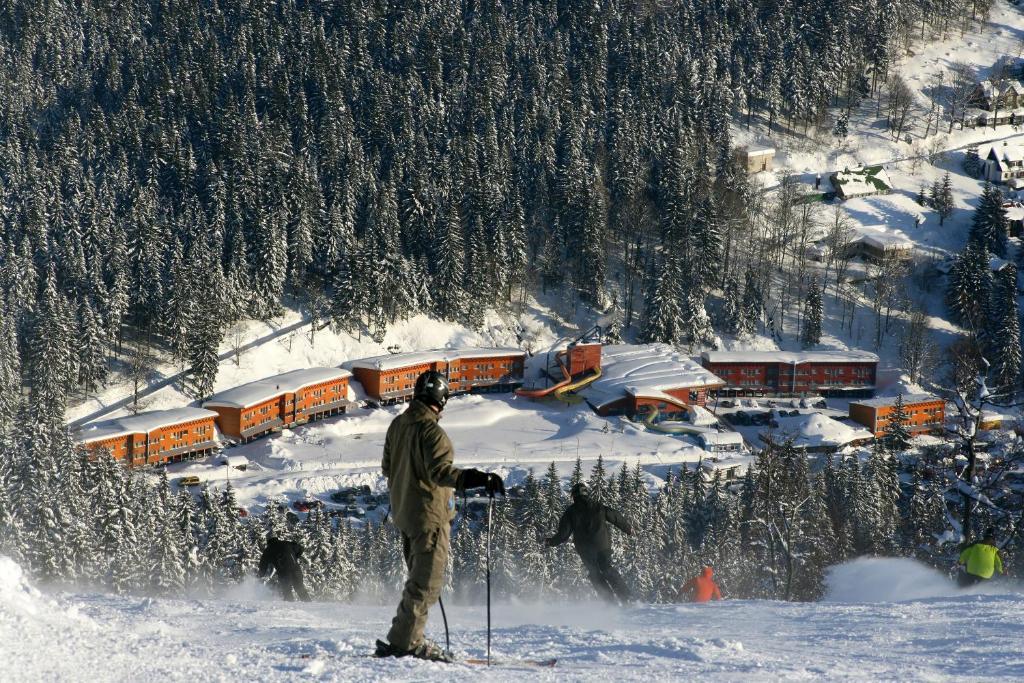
{"type": "Point", "coordinates": [421, 477]}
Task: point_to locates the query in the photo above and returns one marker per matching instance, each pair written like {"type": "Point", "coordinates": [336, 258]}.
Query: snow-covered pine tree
{"type": "Point", "coordinates": [732, 309]}
{"type": "Point", "coordinates": [810, 335]}
{"type": "Point", "coordinates": [969, 286]}
{"type": "Point", "coordinates": [49, 360]}
{"type": "Point", "coordinates": [989, 225]}
{"type": "Point", "coordinates": [10, 373]}
{"type": "Point", "coordinates": [897, 436]}
{"type": "Point", "coordinates": [697, 329]}
{"type": "Point", "coordinates": [972, 162]}
{"type": "Point", "coordinates": [941, 198]}
{"type": "Point", "coordinates": [168, 568]}
{"type": "Point", "coordinates": [753, 304]}
{"type": "Point", "coordinates": [664, 319]}
{"type": "Point", "coordinates": [448, 253]}
{"type": "Point", "coordinates": [92, 354]}
{"type": "Point", "coordinates": [597, 482]}
{"type": "Point", "coordinates": [577, 473]}
{"type": "Point", "coordinates": [1003, 341]}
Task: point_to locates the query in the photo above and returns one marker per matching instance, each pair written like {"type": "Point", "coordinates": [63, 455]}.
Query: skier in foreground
{"type": "Point", "coordinates": [980, 560]}
{"type": "Point", "coordinates": [418, 465]}
{"type": "Point", "coordinates": [702, 588]}
{"type": "Point", "coordinates": [283, 557]}
{"type": "Point", "coordinates": [587, 521]}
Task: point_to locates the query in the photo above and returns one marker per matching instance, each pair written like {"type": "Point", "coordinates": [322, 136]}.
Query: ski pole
{"type": "Point", "coordinates": [490, 503]}
{"type": "Point", "coordinates": [444, 617]}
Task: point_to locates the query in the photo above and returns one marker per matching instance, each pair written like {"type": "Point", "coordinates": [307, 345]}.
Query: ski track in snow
{"type": "Point", "coordinates": [247, 635]}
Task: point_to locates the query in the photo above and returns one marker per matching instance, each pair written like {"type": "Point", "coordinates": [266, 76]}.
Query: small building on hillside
{"type": "Point", "coordinates": [1015, 217]}
{"type": "Point", "coordinates": [638, 378]}
{"type": "Point", "coordinates": [754, 159]}
{"type": "Point", "coordinates": [794, 373]}
{"type": "Point", "coordinates": [1004, 94]}
{"type": "Point", "coordinates": [875, 244]}
{"type": "Point", "coordinates": [273, 403]}
{"type": "Point", "coordinates": [392, 378]}
{"type": "Point", "coordinates": [815, 433]}
{"type": "Point", "coordinates": [860, 182]}
{"type": "Point", "coordinates": [153, 438]}
{"type": "Point", "coordinates": [720, 442]}
{"type": "Point", "coordinates": [925, 413]}
{"type": "Point", "coordinates": [1004, 164]}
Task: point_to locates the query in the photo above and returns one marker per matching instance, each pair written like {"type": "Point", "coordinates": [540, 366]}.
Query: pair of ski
{"type": "Point", "coordinates": [383, 651]}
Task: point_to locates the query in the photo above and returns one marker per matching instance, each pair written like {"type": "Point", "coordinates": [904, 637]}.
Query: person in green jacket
{"type": "Point", "coordinates": [418, 464]}
{"type": "Point", "coordinates": [980, 560]}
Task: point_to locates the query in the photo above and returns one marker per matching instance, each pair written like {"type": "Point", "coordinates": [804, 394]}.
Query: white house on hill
{"type": "Point", "coordinates": [1005, 164]}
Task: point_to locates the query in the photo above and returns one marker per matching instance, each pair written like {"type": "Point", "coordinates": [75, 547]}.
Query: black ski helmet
{"type": "Point", "coordinates": [579, 491]}
{"type": "Point", "coordinates": [432, 388]}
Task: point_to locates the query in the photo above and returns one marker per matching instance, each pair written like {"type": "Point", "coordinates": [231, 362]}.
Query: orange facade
{"type": "Point", "coordinates": [169, 443]}
{"type": "Point", "coordinates": [477, 373]}
{"type": "Point", "coordinates": [287, 409]}
{"type": "Point", "coordinates": [759, 377]}
{"type": "Point", "coordinates": [923, 416]}
{"type": "Point", "coordinates": [583, 358]}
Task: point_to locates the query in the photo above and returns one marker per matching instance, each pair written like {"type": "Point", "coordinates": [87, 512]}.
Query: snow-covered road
{"type": "Point", "coordinates": [247, 635]}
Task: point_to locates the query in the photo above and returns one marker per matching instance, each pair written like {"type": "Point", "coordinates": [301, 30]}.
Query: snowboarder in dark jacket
{"type": "Point", "coordinates": [587, 521]}
{"type": "Point", "coordinates": [283, 557]}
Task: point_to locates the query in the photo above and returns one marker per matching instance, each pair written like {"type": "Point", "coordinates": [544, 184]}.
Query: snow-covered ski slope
{"type": "Point", "coordinates": [942, 634]}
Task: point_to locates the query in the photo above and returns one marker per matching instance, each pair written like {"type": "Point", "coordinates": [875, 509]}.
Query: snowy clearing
{"type": "Point", "coordinates": [247, 635]}
{"type": "Point", "coordinates": [493, 431]}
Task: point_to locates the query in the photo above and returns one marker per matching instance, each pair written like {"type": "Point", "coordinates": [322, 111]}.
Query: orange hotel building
{"type": "Point", "coordinates": [153, 438]}
{"type": "Point", "coordinates": [267, 405]}
{"type": "Point", "coordinates": [925, 413]}
{"type": "Point", "coordinates": [391, 379]}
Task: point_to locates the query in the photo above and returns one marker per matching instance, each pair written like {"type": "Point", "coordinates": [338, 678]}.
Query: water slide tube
{"type": "Point", "coordinates": [677, 428]}
{"type": "Point", "coordinates": [563, 393]}
{"type": "Point", "coordinates": [541, 393]}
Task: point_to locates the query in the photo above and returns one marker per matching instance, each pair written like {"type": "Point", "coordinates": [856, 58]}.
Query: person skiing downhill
{"type": "Point", "coordinates": [980, 560]}
{"type": "Point", "coordinates": [283, 557]}
{"type": "Point", "coordinates": [418, 464]}
{"type": "Point", "coordinates": [702, 588]}
{"type": "Point", "coordinates": [587, 521]}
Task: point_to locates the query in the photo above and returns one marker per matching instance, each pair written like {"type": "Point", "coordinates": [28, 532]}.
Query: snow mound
{"type": "Point", "coordinates": [16, 594]}
{"type": "Point", "coordinates": [886, 579]}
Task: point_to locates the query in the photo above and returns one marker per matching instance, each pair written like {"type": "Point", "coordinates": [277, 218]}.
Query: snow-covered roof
{"type": "Point", "coordinates": [645, 370]}
{"type": "Point", "coordinates": [234, 460]}
{"type": "Point", "coordinates": [1006, 154]}
{"type": "Point", "coordinates": [269, 387]}
{"type": "Point", "coordinates": [721, 438]}
{"type": "Point", "coordinates": [813, 430]}
{"type": "Point", "coordinates": [861, 181]}
{"type": "Point", "coordinates": [989, 90]}
{"type": "Point", "coordinates": [759, 151]}
{"type": "Point", "coordinates": [143, 423]}
{"type": "Point", "coordinates": [884, 401]}
{"type": "Point", "coordinates": [1014, 211]}
{"type": "Point", "coordinates": [882, 238]}
{"type": "Point", "coordinates": [789, 357]}
{"type": "Point", "coordinates": [396, 361]}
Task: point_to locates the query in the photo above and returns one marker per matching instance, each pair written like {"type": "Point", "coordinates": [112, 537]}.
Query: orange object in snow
{"type": "Point", "coordinates": [703, 588]}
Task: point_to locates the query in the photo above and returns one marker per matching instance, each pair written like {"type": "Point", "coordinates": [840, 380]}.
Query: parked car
{"type": "Point", "coordinates": [307, 505]}
{"type": "Point", "coordinates": [741, 417]}
{"type": "Point", "coordinates": [190, 481]}
{"type": "Point", "coordinates": [348, 494]}
{"type": "Point", "coordinates": [726, 403]}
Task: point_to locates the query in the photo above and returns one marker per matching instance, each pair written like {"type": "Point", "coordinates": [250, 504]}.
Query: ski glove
{"type": "Point", "coordinates": [474, 479]}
